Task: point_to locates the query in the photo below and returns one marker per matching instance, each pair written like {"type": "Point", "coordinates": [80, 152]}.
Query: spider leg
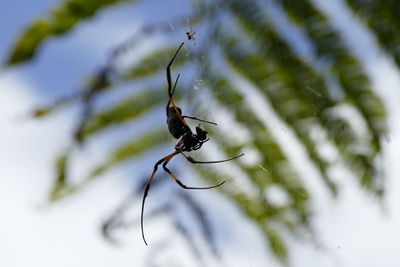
{"type": "Point", "coordinates": [170, 89]}
{"type": "Point", "coordinates": [176, 81]}
{"type": "Point", "coordinates": [191, 160]}
{"type": "Point", "coordinates": [183, 185]}
{"type": "Point", "coordinates": [169, 79]}
{"type": "Point", "coordinates": [173, 90]}
{"type": "Point", "coordinates": [194, 118]}
{"type": "Point", "coordinates": [147, 187]}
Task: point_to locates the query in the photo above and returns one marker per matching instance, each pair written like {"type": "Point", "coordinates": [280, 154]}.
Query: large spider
{"type": "Point", "coordinates": [188, 141]}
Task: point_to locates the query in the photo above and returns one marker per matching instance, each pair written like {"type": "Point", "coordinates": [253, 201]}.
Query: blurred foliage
{"type": "Point", "coordinates": [59, 21]}
{"type": "Point", "coordinates": [382, 17]}
{"type": "Point", "coordinates": [304, 96]}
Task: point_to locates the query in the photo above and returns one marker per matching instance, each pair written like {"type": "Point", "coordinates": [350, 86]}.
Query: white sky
{"type": "Point", "coordinates": [354, 229]}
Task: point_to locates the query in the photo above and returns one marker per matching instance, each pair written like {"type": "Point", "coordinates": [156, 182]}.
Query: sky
{"type": "Point", "coordinates": [354, 230]}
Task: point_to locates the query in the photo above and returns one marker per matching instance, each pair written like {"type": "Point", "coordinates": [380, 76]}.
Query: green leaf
{"type": "Point", "coordinates": [255, 208]}
{"type": "Point", "coordinates": [253, 67]}
{"type": "Point", "coordinates": [126, 151]}
{"type": "Point", "coordinates": [330, 46]}
{"type": "Point", "coordinates": [280, 171]}
{"type": "Point", "coordinates": [154, 63]}
{"type": "Point", "coordinates": [60, 21]}
{"type": "Point", "coordinates": [277, 245]}
{"type": "Point", "coordinates": [382, 17]}
{"type": "Point", "coordinates": [61, 186]}
{"type": "Point", "coordinates": [126, 111]}
{"type": "Point", "coordinates": [133, 149]}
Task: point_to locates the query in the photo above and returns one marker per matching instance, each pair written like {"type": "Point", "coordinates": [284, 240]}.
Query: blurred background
{"type": "Point", "coordinates": [308, 90]}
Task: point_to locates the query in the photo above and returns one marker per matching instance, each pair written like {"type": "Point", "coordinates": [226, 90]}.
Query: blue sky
{"type": "Point", "coordinates": [355, 230]}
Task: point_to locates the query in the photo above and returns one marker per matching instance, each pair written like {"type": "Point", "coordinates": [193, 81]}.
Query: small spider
{"type": "Point", "coordinates": [190, 35]}
{"type": "Point", "coordinates": [188, 141]}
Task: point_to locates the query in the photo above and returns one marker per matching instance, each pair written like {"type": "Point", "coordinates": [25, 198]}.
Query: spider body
{"type": "Point", "coordinates": [191, 141]}
{"type": "Point", "coordinates": [175, 125]}
{"type": "Point", "coordinates": [188, 141]}
{"type": "Point", "coordinates": [190, 35]}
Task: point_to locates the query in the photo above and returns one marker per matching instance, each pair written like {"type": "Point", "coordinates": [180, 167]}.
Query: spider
{"type": "Point", "coordinates": [190, 35]}
{"type": "Point", "coordinates": [188, 141]}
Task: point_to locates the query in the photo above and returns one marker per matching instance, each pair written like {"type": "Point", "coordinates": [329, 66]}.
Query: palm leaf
{"type": "Point", "coordinates": [254, 51]}
{"type": "Point", "coordinates": [59, 21]}
{"type": "Point", "coordinates": [382, 18]}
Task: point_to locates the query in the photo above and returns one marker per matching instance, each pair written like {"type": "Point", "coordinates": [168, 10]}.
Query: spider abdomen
{"type": "Point", "coordinates": [175, 125]}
